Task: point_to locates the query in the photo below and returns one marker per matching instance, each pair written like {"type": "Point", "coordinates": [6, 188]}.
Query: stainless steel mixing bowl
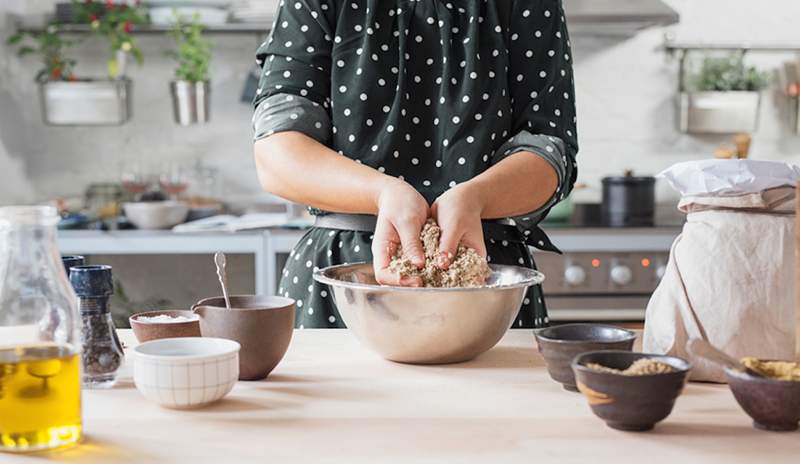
{"type": "Point", "coordinates": [427, 325]}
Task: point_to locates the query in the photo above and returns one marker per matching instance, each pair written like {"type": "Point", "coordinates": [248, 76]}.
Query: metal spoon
{"type": "Point", "coordinates": [701, 348]}
{"type": "Point", "coordinates": [219, 261]}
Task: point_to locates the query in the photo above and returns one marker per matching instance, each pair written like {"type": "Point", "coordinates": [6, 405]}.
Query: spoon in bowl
{"type": "Point", "coordinates": [702, 349]}
{"type": "Point", "coordinates": [220, 261]}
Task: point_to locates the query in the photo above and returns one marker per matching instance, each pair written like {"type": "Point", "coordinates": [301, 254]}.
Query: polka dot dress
{"type": "Point", "coordinates": [431, 91]}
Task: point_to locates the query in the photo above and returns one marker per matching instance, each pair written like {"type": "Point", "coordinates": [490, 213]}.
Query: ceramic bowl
{"type": "Point", "coordinates": [632, 403]}
{"type": "Point", "coordinates": [773, 404]}
{"type": "Point", "coordinates": [263, 326]}
{"type": "Point", "coordinates": [427, 325]}
{"type": "Point", "coordinates": [560, 344]}
{"type": "Point", "coordinates": [146, 331]}
{"type": "Point", "coordinates": [185, 372]}
{"type": "Point", "coordinates": [156, 214]}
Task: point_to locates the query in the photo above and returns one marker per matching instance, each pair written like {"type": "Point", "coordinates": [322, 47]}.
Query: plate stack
{"type": "Point", "coordinates": [209, 12]}
{"type": "Point", "coordinates": [254, 11]}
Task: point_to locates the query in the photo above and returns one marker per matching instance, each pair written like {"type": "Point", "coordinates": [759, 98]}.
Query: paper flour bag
{"type": "Point", "coordinates": [730, 275]}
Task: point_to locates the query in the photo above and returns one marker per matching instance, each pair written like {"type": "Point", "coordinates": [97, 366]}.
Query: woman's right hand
{"type": "Point", "coordinates": [402, 212]}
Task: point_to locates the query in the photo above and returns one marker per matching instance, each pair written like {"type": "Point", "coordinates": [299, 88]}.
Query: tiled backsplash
{"type": "Point", "coordinates": [625, 97]}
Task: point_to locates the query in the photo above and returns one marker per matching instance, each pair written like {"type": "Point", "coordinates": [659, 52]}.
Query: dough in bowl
{"type": "Point", "coordinates": [467, 269]}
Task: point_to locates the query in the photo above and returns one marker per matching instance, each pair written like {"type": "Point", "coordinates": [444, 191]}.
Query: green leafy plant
{"type": "Point", "coordinates": [193, 52]}
{"type": "Point", "coordinates": [114, 22]}
{"type": "Point", "coordinates": [730, 74]}
{"type": "Point", "coordinates": [50, 46]}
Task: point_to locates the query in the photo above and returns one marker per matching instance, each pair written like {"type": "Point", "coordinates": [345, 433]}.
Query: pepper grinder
{"type": "Point", "coordinates": [102, 350]}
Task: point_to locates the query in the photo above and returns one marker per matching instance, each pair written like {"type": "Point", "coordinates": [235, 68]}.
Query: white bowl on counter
{"type": "Point", "coordinates": [186, 372]}
{"type": "Point", "coordinates": [156, 214]}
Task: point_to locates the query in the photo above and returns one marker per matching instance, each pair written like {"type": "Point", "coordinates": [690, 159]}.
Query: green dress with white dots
{"type": "Point", "coordinates": [430, 91]}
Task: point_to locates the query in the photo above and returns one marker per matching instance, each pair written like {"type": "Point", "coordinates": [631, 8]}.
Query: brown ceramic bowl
{"type": "Point", "coordinates": [263, 326]}
{"type": "Point", "coordinates": [560, 344]}
{"type": "Point", "coordinates": [146, 331]}
{"type": "Point", "coordinates": [632, 403]}
{"type": "Point", "coordinates": [773, 404]}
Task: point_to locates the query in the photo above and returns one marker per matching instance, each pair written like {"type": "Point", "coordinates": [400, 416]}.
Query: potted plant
{"type": "Point", "coordinates": [722, 97]}
{"type": "Point", "coordinates": [69, 100]}
{"type": "Point", "coordinates": [190, 90]}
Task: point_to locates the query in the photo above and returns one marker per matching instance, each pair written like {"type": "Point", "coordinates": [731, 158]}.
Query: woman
{"type": "Point", "coordinates": [387, 112]}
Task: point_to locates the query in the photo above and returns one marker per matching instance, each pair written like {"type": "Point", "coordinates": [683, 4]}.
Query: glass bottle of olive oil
{"type": "Point", "coordinates": [40, 362]}
{"type": "Point", "coordinates": [40, 398]}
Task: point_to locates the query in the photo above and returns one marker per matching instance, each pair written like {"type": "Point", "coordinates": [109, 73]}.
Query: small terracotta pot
{"type": "Point", "coordinates": [263, 326]}
{"type": "Point", "coordinates": [146, 331]}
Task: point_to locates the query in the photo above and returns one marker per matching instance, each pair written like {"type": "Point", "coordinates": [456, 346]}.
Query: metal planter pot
{"type": "Point", "coordinates": [190, 102]}
{"type": "Point", "coordinates": [719, 112]}
{"type": "Point", "coordinates": [90, 102]}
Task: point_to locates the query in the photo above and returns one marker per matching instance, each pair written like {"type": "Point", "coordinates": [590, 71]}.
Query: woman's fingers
{"type": "Point", "coordinates": [412, 246]}
{"type": "Point", "coordinates": [384, 246]}
{"type": "Point", "coordinates": [474, 239]}
{"type": "Point", "coordinates": [448, 245]}
{"type": "Point", "coordinates": [386, 277]}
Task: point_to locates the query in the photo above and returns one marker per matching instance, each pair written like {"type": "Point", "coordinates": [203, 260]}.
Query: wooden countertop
{"type": "Point", "coordinates": [330, 400]}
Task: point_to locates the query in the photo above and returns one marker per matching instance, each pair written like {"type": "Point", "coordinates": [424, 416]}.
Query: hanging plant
{"type": "Point", "coordinates": [115, 22]}
{"type": "Point", "coordinates": [190, 89]}
{"type": "Point", "coordinates": [50, 46]}
{"type": "Point", "coordinates": [730, 73]}
{"type": "Point", "coordinates": [193, 52]}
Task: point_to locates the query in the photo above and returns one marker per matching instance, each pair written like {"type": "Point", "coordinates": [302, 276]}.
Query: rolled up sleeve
{"type": "Point", "coordinates": [293, 93]}
{"type": "Point", "coordinates": [543, 95]}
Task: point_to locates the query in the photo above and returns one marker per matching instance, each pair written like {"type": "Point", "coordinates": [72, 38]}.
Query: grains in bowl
{"type": "Point", "coordinates": [643, 366]}
{"type": "Point", "coordinates": [780, 370]}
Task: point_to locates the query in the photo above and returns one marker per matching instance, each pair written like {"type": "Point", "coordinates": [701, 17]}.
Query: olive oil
{"type": "Point", "coordinates": [40, 397]}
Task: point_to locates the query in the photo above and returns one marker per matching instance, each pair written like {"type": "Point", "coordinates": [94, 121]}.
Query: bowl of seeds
{"type": "Point", "coordinates": [773, 400]}
{"type": "Point", "coordinates": [630, 391]}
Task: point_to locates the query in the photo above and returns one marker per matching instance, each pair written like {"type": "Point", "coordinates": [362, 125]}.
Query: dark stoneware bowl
{"type": "Point", "coordinates": [632, 403]}
{"type": "Point", "coordinates": [773, 404]}
{"type": "Point", "coordinates": [263, 326]}
{"type": "Point", "coordinates": [146, 331]}
{"type": "Point", "coordinates": [561, 343]}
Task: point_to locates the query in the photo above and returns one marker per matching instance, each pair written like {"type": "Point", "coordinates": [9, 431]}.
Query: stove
{"type": "Point", "coordinates": [606, 273]}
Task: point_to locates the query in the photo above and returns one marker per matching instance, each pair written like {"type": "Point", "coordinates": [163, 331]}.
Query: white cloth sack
{"type": "Point", "coordinates": [729, 280]}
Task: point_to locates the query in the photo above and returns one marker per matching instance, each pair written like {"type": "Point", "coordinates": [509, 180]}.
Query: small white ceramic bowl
{"type": "Point", "coordinates": [156, 214]}
{"type": "Point", "coordinates": [186, 372]}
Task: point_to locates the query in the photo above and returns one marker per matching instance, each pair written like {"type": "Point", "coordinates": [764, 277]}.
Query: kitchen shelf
{"type": "Point", "coordinates": [228, 28]}
{"type": "Point", "coordinates": [672, 47]}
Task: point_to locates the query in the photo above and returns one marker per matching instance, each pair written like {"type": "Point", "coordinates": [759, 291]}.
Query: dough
{"type": "Point", "coordinates": [467, 269]}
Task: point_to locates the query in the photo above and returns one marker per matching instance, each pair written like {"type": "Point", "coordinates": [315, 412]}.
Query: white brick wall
{"type": "Point", "coordinates": [625, 95]}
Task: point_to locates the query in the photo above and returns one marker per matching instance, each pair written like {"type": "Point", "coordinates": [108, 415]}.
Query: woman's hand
{"type": "Point", "coordinates": [458, 213]}
{"type": "Point", "coordinates": [402, 212]}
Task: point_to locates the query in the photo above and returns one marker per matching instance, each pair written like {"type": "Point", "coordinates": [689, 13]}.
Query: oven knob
{"type": "Point", "coordinates": [621, 274]}
{"type": "Point", "coordinates": [574, 275]}
{"type": "Point", "coordinates": [660, 271]}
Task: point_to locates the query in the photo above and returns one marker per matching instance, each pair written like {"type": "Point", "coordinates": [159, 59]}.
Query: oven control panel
{"type": "Point", "coordinates": [602, 273]}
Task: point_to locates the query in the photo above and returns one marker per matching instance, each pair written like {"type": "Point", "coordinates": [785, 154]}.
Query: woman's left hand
{"type": "Point", "coordinates": [458, 213]}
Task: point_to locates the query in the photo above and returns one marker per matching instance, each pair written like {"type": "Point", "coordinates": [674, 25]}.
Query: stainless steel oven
{"type": "Point", "coordinates": [605, 273]}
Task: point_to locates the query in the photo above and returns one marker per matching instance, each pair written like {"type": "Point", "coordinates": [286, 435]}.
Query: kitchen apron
{"type": "Point", "coordinates": [432, 92]}
{"type": "Point", "coordinates": [331, 245]}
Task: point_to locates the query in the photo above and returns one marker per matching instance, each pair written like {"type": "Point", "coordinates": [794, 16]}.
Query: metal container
{"type": "Point", "coordinates": [427, 325]}
{"type": "Point", "coordinates": [628, 201]}
{"type": "Point", "coordinates": [90, 102]}
{"type": "Point", "coordinates": [190, 102]}
{"type": "Point", "coordinates": [719, 112]}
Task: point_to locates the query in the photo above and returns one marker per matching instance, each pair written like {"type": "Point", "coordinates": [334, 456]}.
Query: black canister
{"type": "Point", "coordinates": [72, 260]}
{"type": "Point", "coordinates": [102, 350]}
{"type": "Point", "coordinates": [628, 201]}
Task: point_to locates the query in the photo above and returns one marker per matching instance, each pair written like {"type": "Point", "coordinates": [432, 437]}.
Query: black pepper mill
{"type": "Point", "coordinates": [102, 350]}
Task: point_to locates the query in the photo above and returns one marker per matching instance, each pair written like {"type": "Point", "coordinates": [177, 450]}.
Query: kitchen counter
{"type": "Point", "coordinates": [330, 400]}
